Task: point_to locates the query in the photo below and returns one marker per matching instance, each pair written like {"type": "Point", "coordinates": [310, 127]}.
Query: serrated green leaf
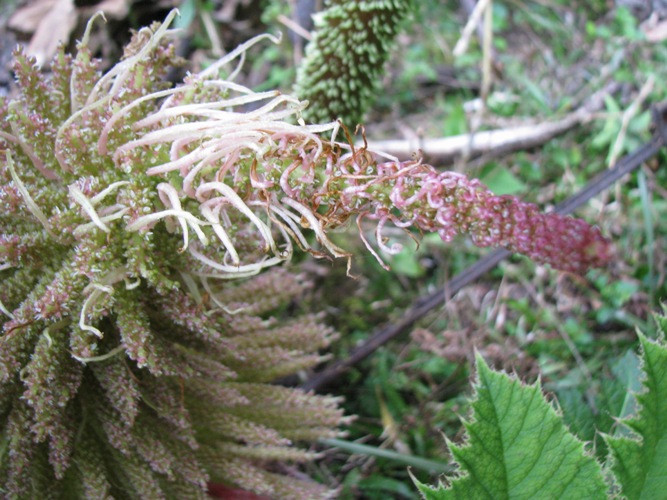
{"type": "Point", "coordinates": [518, 448]}
{"type": "Point", "coordinates": [661, 320]}
{"type": "Point", "coordinates": [427, 492]}
{"type": "Point", "coordinates": [640, 465]}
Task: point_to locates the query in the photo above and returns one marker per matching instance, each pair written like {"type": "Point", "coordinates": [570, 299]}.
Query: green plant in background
{"type": "Point", "coordinates": [519, 447]}
{"type": "Point", "coordinates": [341, 73]}
{"type": "Point", "coordinates": [131, 363]}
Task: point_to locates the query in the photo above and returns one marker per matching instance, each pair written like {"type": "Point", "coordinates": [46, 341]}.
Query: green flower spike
{"type": "Point", "coordinates": [344, 62]}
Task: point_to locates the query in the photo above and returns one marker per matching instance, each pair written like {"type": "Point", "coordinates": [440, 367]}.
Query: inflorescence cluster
{"type": "Point", "coordinates": [131, 361]}
{"type": "Point", "coordinates": [341, 73]}
{"type": "Point", "coordinates": [129, 367]}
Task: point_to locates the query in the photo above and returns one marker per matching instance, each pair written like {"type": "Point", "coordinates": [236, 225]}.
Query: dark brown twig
{"type": "Point", "coordinates": [426, 304]}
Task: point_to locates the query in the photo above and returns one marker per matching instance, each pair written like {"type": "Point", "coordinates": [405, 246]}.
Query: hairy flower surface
{"type": "Point", "coordinates": [130, 364]}
{"type": "Point", "coordinates": [279, 180]}
{"type": "Point", "coordinates": [125, 371]}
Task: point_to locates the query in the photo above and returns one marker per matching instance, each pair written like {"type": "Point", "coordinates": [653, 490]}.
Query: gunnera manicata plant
{"type": "Point", "coordinates": [128, 367]}
{"type": "Point", "coordinates": [134, 362]}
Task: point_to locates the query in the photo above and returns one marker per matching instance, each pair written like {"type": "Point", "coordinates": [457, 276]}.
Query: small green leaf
{"type": "Point", "coordinates": [589, 412]}
{"type": "Point", "coordinates": [518, 448]}
{"type": "Point", "coordinates": [502, 181]}
{"type": "Point", "coordinates": [187, 11]}
{"type": "Point", "coordinates": [640, 464]}
{"type": "Point", "coordinates": [455, 122]}
{"type": "Point", "coordinates": [626, 381]}
{"type": "Point", "coordinates": [381, 487]}
{"type": "Point", "coordinates": [407, 263]}
{"type": "Point", "coordinates": [611, 126]}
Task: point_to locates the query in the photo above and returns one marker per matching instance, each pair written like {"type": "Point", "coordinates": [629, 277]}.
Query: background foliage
{"type": "Point", "coordinates": [577, 333]}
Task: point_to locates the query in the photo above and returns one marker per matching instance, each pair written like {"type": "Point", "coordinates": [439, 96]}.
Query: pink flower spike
{"type": "Point", "coordinates": [466, 206]}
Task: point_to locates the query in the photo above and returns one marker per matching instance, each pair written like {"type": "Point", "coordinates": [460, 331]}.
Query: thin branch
{"type": "Point", "coordinates": [473, 22]}
{"type": "Point", "coordinates": [487, 54]}
{"type": "Point", "coordinates": [447, 149]}
{"type": "Point", "coordinates": [495, 142]}
{"type": "Point", "coordinates": [628, 115]}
